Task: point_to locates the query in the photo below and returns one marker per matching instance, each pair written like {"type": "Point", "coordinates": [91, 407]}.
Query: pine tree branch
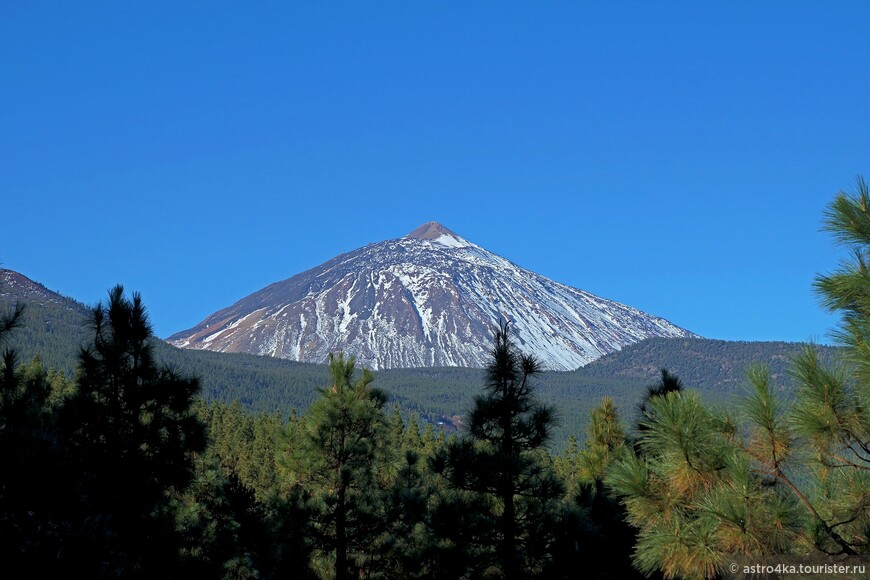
{"type": "Point", "coordinates": [846, 547]}
{"type": "Point", "coordinates": [778, 474]}
{"type": "Point", "coordinates": [856, 515]}
{"type": "Point", "coordinates": [846, 462]}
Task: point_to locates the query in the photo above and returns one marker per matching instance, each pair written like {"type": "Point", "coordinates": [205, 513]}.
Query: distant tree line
{"type": "Point", "coordinates": [54, 329]}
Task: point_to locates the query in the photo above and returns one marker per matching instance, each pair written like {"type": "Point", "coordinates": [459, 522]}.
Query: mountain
{"type": "Point", "coordinates": [15, 287]}
{"type": "Point", "coordinates": [52, 326]}
{"type": "Point", "coordinates": [428, 299]}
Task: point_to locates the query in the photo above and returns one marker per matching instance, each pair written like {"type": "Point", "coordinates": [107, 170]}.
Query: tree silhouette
{"type": "Point", "coordinates": [667, 383]}
{"type": "Point", "coordinates": [11, 320]}
{"type": "Point", "coordinates": [499, 462]}
{"type": "Point", "coordinates": [132, 434]}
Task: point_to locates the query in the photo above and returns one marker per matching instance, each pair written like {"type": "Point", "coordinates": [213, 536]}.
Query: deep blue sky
{"type": "Point", "coordinates": [676, 157]}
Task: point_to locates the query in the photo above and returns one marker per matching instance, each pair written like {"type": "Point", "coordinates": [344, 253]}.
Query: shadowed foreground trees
{"type": "Point", "coordinates": [34, 499]}
{"type": "Point", "coordinates": [113, 452]}
{"type": "Point", "coordinates": [501, 469]}
{"type": "Point", "coordinates": [131, 434]}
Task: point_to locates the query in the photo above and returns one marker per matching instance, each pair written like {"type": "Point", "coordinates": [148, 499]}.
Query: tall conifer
{"type": "Point", "coordinates": [500, 462]}
{"type": "Point", "coordinates": [339, 449]}
{"type": "Point", "coordinates": [132, 434]}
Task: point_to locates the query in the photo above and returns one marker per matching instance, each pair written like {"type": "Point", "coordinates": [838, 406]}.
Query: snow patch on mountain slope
{"type": "Point", "coordinates": [450, 241]}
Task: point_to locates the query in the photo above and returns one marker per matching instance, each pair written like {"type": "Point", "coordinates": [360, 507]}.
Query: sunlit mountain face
{"type": "Point", "coordinates": [431, 298]}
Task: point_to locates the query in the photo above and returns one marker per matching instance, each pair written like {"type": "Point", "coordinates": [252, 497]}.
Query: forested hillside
{"type": "Point", "coordinates": [55, 328]}
{"type": "Point", "coordinates": [715, 364]}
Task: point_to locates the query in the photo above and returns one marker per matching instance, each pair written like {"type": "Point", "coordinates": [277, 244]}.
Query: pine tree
{"type": "Point", "coordinates": [667, 383]}
{"type": "Point", "coordinates": [412, 438]}
{"type": "Point", "coordinates": [694, 496]}
{"type": "Point", "coordinates": [832, 411]}
{"type": "Point", "coordinates": [132, 435]}
{"type": "Point", "coordinates": [499, 463]}
{"type": "Point", "coordinates": [405, 548]}
{"type": "Point", "coordinates": [11, 320]}
{"type": "Point", "coordinates": [567, 467]}
{"type": "Point", "coordinates": [339, 451]}
{"type": "Point", "coordinates": [600, 541]}
{"type": "Point", "coordinates": [605, 441]}
{"type": "Point", "coordinates": [396, 429]}
{"type": "Point", "coordinates": [34, 522]}
{"type": "Point", "coordinates": [778, 478]}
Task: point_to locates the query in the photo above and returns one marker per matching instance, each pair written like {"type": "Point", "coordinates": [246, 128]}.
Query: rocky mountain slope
{"type": "Point", "coordinates": [428, 299]}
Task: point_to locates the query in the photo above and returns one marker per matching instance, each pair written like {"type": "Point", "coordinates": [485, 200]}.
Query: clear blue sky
{"type": "Point", "coordinates": [675, 157]}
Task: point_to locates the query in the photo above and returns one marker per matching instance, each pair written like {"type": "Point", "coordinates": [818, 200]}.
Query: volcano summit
{"type": "Point", "coordinates": [430, 298]}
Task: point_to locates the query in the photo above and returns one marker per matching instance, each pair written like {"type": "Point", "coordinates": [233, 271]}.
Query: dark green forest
{"type": "Point", "coordinates": [54, 328]}
{"type": "Point", "coordinates": [124, 457]}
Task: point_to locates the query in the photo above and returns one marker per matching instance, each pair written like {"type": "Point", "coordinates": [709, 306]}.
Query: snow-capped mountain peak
{"type": "Point", "coordinates": [430, 298]}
